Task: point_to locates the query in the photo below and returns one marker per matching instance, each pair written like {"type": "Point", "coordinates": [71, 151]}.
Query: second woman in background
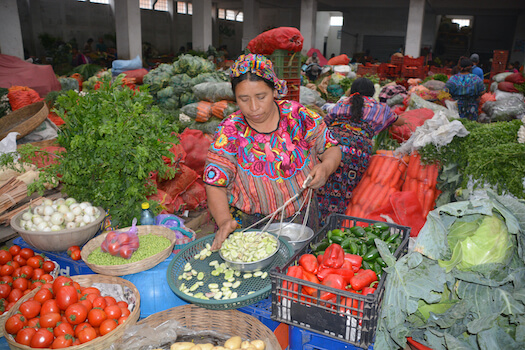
{"type": "Point", "coordinates": [353, 121]}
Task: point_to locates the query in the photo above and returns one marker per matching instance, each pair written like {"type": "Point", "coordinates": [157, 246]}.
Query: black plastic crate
{"type": "Point", "coordinates": [355, 324]}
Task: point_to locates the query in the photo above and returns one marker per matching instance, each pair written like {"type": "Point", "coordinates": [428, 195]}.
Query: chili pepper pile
{"type": "Point", "coordinates": [359, 241]}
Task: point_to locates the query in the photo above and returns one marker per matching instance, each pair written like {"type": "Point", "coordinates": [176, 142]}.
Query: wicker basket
{"type": "Point", "coordinates": [227, 322]}
{"type": "Point", "coordinates": [128, 269]}
{"type": "Point", "coordinates": [24, 120]}
{"type": "Point", "coordinates": [100, 343]}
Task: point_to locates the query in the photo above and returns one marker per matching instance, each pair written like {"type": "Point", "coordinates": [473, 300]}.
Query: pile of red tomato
{"type": "Point", "coordinates": [63, 314]}
{"type": "Point", "coordinates": [21, 271]}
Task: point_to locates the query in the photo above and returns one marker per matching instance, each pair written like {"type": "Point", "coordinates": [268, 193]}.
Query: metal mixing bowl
{"type": "Point", "coordinates": [292, 232]}
{"type": "Point", "coordinates": [251, 266]}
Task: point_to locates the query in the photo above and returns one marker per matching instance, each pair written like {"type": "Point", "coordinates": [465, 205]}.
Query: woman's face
{"type": "Point", "coordinates": [256, 101]}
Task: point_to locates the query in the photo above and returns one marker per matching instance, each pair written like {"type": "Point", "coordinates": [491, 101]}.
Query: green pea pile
{"type": "Point", "coordinates": [149, 245]}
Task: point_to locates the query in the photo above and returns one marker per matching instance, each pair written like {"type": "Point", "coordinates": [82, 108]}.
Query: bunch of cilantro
{"type": "Point", "coordinates": [114, 139]}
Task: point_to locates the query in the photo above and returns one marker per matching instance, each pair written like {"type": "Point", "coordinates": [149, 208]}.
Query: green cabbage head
{"type": "Point", "coordinates": [484, 241]}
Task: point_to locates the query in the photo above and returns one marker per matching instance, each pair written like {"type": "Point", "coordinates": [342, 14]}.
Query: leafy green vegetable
{"type": "Point", "coordinates": [490, 154]}
{"type": "Point", "coordinates": [459, 309]}
{"type": "Point", "coordinates": [114, 140]}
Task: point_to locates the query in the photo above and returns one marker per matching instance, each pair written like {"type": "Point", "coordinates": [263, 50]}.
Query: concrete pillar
{"type": "Point", "coordinates": [11, 38]}
{"type": "Point", "coordinates": [416, 15]}
{"type": "Point", "coordinates": [250, 25]}
{"type": "Point", "coordinates": [201, 25]}
{"type": "Point", "coordinates": [128, 28]}
{"type": "Point", "coordinates": [308, 24]}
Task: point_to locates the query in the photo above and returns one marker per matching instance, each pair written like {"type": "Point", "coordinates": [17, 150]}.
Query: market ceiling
{"type": "Point", "coordinates": [443, 7]}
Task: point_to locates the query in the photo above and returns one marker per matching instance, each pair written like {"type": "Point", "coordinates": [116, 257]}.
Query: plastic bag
{"type": "Point", "coordinates": [282, 38]}
{"type": "Point", "coordinates": [504, 110]}
{"type": "Point", "coordinates": [498, 78]}
{"type": "Point", "coordinates": [310, 97]}
{"type": "Point", "coordinates": [434, 85]}
{"type": "Point", "coordinates": [404, 209]}
{"type": "Point", "coordinates": [417, 101]}
{"type": "Point", "coordinates": [502, 95]}
{"type": "Point", "coordinates": [120, 66]}
{"type": "Point", "coordinates": [122, 243]}
{"type": "Point", "coordinates": [213, 91]}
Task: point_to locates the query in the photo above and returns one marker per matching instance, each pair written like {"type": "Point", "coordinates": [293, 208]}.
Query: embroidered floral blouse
{"type": "Point", "coordinates": [261, 171]}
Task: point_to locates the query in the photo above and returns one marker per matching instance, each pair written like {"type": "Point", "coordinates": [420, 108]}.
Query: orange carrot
{"type": "Point", "coordinates": [380, 200]}
{"type": "Point", "coordinates": [203, 111]}
{"type": "Point", "coordinates": [397, 175]}
{"type": "Point", "coordinates": [358, 191]}
{"type": "Point", "coordinates": [428, 201]}
{"type": "Point", "coordinates": [433, 174]}
{"type": "Point", "coordinates": [421, 190]}
{"type": "Point", "coordinates": [413, 165]}
{"type": "Point", "coordinates": [365, 197]}
{"type": "Point", "coordinates": [373, 164]}
{"type": "Point", "coordinates": [378, 168]}
{"type": "Point", "coordinates": [217, 109]}
{"type": "Point", "coordinates": [389, 170]}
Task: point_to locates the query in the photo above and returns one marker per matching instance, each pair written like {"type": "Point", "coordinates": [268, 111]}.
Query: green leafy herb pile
{"type": "Point", "coordinates": [475, 307]}
{"type": "Point", "coordinates": [114, 139]}
{"type": "Point", "coordinates": [490, 154]}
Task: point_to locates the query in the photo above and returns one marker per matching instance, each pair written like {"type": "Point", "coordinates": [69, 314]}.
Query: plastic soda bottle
{"type": "Point", "coordinates": [146, 217]}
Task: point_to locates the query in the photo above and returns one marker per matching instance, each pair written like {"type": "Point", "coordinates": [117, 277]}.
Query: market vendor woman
{"type": "Point", "coordinates": [262, 154]}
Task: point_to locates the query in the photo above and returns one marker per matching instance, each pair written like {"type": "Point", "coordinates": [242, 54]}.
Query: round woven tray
{"type": "Point", "coordinates": [228, 322]}
{"type": "Point", "coordinates": [261, 287]}
{"type": "Point", "coordinates": [24, 120]}
{"type": "Point", "coordinates": [100, 343]}
{"type": "Point", "coordinates": [128, 269]}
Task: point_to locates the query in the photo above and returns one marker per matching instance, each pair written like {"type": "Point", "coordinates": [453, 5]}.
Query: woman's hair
{"type": "Point", "coordinates": [251, 77]}
{"type": "Point", "coordinates": [360, 87]}
{"type": "Point", "coordinates": [465, 64]}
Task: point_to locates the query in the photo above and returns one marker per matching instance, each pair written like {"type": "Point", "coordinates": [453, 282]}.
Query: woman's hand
{"type": "Point", "coordinates": [330, 161]}
{"type": "Point", "coordinates": [225, 228]}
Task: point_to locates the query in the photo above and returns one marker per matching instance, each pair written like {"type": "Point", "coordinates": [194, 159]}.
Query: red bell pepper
{"type": "Point", "coordinates": [334, 281]}
{"type": "Point", "coordinates": [370, 289]}
{"type": "Point", "coordinates": [334, 256]}
{"type": "Point", "coordinates": [309, 263]}
{"type": "Point", "coordinates": [293, 271]}
{"type": "Point", "coordinates": [352, 305]}
{"type": "Point", "coordinates": [320, 258]}
{"type": "Point", "coordinates": [354, 260]}
{"type": "Point", "coordinates": [308, 276]}
{"type": "Point", "coordinates": [345, 273]}
{"type": "Point", "coordinates": [363, 279]}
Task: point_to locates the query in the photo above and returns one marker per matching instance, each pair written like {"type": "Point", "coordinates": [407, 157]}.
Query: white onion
{"type": "Point", "coordinates": [48, 210]}
{"type": "Point", "coordinates": [63, 208]}
{"type": "Point", "coordinates": [73, 206]}
{"type": "Point", "coordinates": [47, 229]}
{"type": "Point", "coordinates": [96, 212]}
{"type": "Point", "coordinates": [27, 215]}
{"type": "Point", "coordinates": [48, 201]}
{"type": "Point", "coordinates": [56, 228]}
{"type": "Point", "coordinates": [59, 201]}
{"type": "Point", "coordinates": [39, 210]}
{"type": "Point", "coordinates": [87, 218]}
{"type": "Point", "coordinates": [69, 216]}
{"type": "Point", "coordinates": [76, 210]}
{"type": "Point", "coordinates": [55, 207]}
{"type": "Point", "coordinates": [41, 226]}
{"type": "Point", "coordinates": [57, 219]}
{"type": "Point", "coordinates": [23, 223]}
{"type": "Point", "coordinates": [46, 218]}
{"type": "Point", "coordinates": [37, 219]}
{"type": "Point", "coordinates": [79, 219]}
{"type": "Point", "coordinates": [89, 210]}
{"type": "Point", "coordinates": [82, 224]}
{"type": "Point", "coordinates": [70, 201]}
{"type": "Point", "coordinates": [28, 226]}
{"type": "Point", "coordinates": [70, 225]}
{"type": "Point", "coordinates": [84, 205]}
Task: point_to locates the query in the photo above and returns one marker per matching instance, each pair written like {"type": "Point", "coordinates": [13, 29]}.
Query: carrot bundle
{"type": "Point", "coordinates": [384, 176]}
{"type": "Point", "coordinates": [422, 179]}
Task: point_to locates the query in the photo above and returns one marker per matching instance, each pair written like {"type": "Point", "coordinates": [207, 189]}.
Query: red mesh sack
{"type": "Point", "coordinates": [165, 201]}
{"type": "Point", "coordinates": [55, 119]}
{"type": "Point", "coordinates": [516, 78]}
{"type": "Point", "coordinates": [413, 118]}
{"type": "Point", "coordinates": [195, 144]}
{"type": "Point", "coordinates": [21, 96]}
{"type": "Point", "coordinates": [180, 183]}
{"type": "Point", "coordinates": [339, 60]}
{"type": "Point", "coordinates": [507, 87]}
{"type": "Point", "coordinates": [194, 197]}
{"type": "Point", "coordinates": [137, 74]}
{"type": "Point", "coordinates": [404, 208]}
{"type": "Point", "coordinates": [178, 152]}
{"type": "Point", "coordinates": [282, 38]}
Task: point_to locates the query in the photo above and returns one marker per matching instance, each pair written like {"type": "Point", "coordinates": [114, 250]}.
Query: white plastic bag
{"type": "Point", "coordinates": [8, 143]}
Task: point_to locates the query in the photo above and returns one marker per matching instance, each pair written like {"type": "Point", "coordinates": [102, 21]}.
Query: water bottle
{"type": "Point", "coordinates": [146, 217]}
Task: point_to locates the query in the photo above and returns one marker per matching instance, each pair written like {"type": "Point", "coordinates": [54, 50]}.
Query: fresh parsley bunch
{"type": "Point", "coordinates": [114, 139]}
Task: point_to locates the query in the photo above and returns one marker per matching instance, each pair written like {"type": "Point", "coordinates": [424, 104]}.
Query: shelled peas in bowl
{"type": "Point", "coordinates": [249, 251]}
